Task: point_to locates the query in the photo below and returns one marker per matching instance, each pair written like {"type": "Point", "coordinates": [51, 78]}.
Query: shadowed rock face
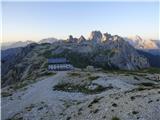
{"type": "Point", "coordinates": [107, 37]}
{"type": "Point", "coordinates": [96, 36]}
{"type": "Point", "coordinates": [72, 40]}
{"type": "Point", "coordinates": [125, 56]}
{"type": "Point", "coordinates": [81, 39]}
{"type": "Point", "coordinates": [11, 72]}
{"type": "Point", "coordinates": [111, 54]}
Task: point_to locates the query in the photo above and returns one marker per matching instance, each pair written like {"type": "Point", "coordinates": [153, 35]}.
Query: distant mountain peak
{"type": "Point", "coordinates": [138, 37]}
{"type": "Point", "coordinates": [16, 44]}
{"type": "Point", "coordinates": [96, 36]}
{"type": "Point", "coordinates": [141, 43]}
{"type": "Point", "coordinates": [48, 40]}
{"type": "Point", "coordinates": [81, 39]}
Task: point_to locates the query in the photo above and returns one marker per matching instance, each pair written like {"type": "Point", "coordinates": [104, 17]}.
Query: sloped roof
{"type": "Point", "coordinates": [57, 60]}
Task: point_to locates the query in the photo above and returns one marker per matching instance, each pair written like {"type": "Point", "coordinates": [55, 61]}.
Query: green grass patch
{"type": "Point", "coordinates": [74, 74]}
{"type": "Point", "coordinates": [148, 87]}
{"type": "Point", "coordinates": [93, 77]}
{"type": "Point", "coordinates": [136, 78]}
{"type": "Point", "coordinates": [6, 94]}
{"type": "Point", "coordinates": [141, 72]}
{"type": "Point", "coordinates": [115, 118]}
{"type": "Point", "coordinates": [152, 70]}
{"type": "Point", "coordinates": [69, 87]}
{"type": "Point", "coordinates": [48, 74]}
{"type": "Point", "coordinates": [148, 84]}
{"type": "Point", "coordinates": [19, 85]}
{"type": "Point", "coordinates": [141, 88]}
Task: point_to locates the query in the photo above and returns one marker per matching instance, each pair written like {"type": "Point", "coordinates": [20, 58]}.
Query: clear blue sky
{"type": "Point", "coordinates": [37, 20]}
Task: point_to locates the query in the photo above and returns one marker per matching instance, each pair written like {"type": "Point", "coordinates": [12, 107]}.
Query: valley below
{"type": "Point", "coordinates": [85, 95]}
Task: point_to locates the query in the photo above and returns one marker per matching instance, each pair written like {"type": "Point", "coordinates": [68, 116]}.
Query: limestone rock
{"type": "Point", "coordinates": [96, 36]}
{"type": "Point", "coordinates": [107, 36]}
{"type": "Point", "coordinates": [71, 39]}
{"type": "Point", "coordinates": [81, 39]}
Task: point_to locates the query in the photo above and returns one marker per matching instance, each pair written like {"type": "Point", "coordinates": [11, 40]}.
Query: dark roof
{"type": "Point", "coordinates": [57, 60]}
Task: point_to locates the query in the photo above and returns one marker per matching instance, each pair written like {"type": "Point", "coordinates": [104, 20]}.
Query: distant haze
{"type": "Point", "coordinates": [23, 21]}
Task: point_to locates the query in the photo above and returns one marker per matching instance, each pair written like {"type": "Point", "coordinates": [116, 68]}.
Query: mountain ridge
{"type": "Point", "coordinates": [140, 43]}
{"type": "Point", "coordinates": [136, 41]}
{"type": "Point", "coordinates": [31, 61]}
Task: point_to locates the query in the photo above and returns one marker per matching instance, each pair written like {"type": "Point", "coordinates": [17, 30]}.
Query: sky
{"type": "Point", "coordinates": [37, 20]}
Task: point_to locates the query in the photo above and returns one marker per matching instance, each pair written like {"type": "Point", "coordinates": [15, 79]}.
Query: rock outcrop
{"type": "Point", "coordinates": [107, 37]}
{"type": "Point", "coordinates": [72, 40]}
{"type": "Point", "coordinates": [81, 39]}
{"type": "Point", "coordinates": [96, 36]}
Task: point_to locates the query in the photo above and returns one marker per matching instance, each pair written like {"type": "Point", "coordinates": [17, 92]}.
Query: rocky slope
{"type": "Point", "coordinates": [153, 59]}
{"type": "Point", "coordinates": [148, 48]}
{"type": "Point", "coordinates": [100, 96]}
{"type": "Point", "coordinates": [22, 64]}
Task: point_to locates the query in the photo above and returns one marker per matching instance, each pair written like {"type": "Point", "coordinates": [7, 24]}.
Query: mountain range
{"type": "Point", "coordinates": [5, 46]}
{"type": "Point", "coordinates": [8, 45]}
{"type": "Point", "coordinates": [100, 50]}
{"type": "Point", "coordinates": [137, 42]}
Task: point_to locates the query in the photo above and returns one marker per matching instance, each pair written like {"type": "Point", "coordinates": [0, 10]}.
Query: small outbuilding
{"type": "Point", "coordinates": [59, 64]}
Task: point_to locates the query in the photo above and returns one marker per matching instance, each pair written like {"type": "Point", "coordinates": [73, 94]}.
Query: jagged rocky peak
{"type": "Point", "coordinates": [107, 36]}
{"type": "Point", "coordinates": [81, 39]}
{"type": "Point", "coordinates": [137, 37]}
{"type": "Point", "coordinates": [116, 37]}
{"type": "Point", "coordinates": [96, 36]}
{"type": "Point", "coordinates": [71, 39]}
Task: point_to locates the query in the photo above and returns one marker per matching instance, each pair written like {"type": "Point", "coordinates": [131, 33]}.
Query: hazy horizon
{"type": "Point", "coordinates": [37, 20]}
{"type": "Point", "coordinates": [37, 40]}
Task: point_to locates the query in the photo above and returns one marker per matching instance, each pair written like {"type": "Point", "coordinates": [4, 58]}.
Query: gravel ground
{"type": "Point", "coordinates": [125, 100]}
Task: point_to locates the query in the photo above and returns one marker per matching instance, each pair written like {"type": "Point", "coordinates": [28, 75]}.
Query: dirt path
{"type": "Point", "coordinates": [123, 100]}
{"type": "Point", "coordinates": [37, 92]}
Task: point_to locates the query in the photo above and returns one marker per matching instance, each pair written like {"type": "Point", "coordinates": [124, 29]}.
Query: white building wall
{"type": "Point", "coordinates": [60, 67]}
